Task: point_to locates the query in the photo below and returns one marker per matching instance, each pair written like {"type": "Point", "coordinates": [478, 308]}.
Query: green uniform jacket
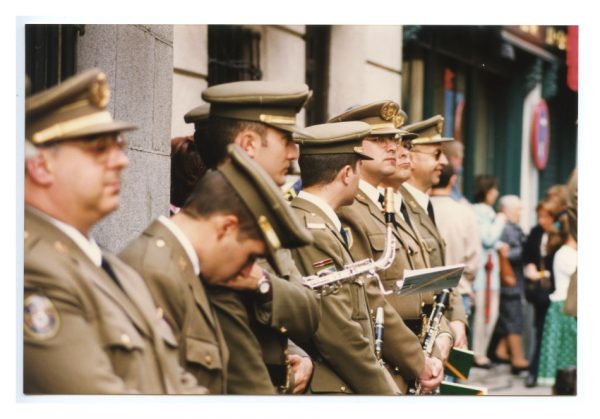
{"type": "Point", "coordinates": [435, 246]}
{"type": "Point", "coordinates": [401, 348]}
{"type": "Point", "coordinates": [410, 307]}
{"type": "Point", "coordinates": [158, 256]}
{"type": "Point", "coordinates": [87, 335]}
{"type": "Point", "coordinates": [343, 348]}
{"type": "Point", "coordinates": [257, 334]}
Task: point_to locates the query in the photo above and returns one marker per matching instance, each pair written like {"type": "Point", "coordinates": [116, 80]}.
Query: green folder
{"type": "Point", "coordinates": [459, 363]}
{"type": "Point", "coordinates": [455, 389]}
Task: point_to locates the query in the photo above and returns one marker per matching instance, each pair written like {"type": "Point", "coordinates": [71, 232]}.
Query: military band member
{"type": "Point", "coordinates": [217, 236]}
{"type": "Point", "coordinates": [365, 220]}
{"type": "Point", "coordinates": [343, 348]}
{"type": "Point", "coordinates": [415, 308]}
{"type": "Point", "coordinates": [428, 159]}
{"type": "Point", "coordinates": [260, 117]}
{"type": "Point", "coordinates": [90, 324]}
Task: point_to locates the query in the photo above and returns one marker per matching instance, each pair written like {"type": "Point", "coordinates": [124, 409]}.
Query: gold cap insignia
{"type": "Point", "coordinates": [399, 120]}
{"type": "Point", "coordinates": [358, 150]}
{"type": "Point", "coordinates": [388, 111]}
{"type": "Point", "coordinates": [440, 126]}
{"type": "Point", "coordinates": [99, 93]}
{"type": "Point", "coordinates": [268, 232]}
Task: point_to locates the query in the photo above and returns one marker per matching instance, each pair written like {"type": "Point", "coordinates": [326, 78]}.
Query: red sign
{"type": "Point", "coordinates": [540, 135]}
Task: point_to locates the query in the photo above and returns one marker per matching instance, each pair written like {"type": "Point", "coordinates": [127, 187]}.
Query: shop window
{"type": "Point", "coordinates": [50, 53]}
{"type": "Point", "coordinates": [317, 72]}
{"type": "Point", "coordinates": [233, 54]}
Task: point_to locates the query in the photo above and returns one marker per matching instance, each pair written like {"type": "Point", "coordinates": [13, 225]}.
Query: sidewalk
{"type": "Point", "coordinates": [500, 382]}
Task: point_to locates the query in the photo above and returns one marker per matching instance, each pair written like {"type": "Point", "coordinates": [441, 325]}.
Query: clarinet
{"type": "Point", "coordinates": [367, 266]}
{"type": "Point", "coordinates": [433, 328]}
{"type": "Point", "coordinates": [379, 333]}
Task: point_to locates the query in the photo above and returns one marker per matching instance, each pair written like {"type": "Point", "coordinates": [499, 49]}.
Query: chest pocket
{"type": "Point", "coordinates": [122, 336]}
{"type": "Point", "coordinates": [377, 243]}
{"type": "Point", "coordinates": [203, 353]}
{"type": "Point", "coordinates": [430, 245]}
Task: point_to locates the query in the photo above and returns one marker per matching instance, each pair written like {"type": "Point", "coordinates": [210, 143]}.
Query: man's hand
{"type": "Point", "coordinates": [460, 334]}
{"type": "Point", "coordinates": [302, 368]}
{"type": "Point", "coordinates": [444, 345]}
{"type": "Point", "coordinates": [432, 375]}
{"type": "Point", "coordinates": [246, 281]}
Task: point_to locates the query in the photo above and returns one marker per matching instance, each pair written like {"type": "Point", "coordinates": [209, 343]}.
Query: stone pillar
{"type": "Point", "coordinates": [190, 78]}
{"type": "Point", "coordinates": [365, 65]}
{"type": "Point", "coordinates": [138, 60]}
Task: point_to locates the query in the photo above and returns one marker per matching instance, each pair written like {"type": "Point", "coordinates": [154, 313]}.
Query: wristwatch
{"type": "Point", "coordinates": [264, 286]}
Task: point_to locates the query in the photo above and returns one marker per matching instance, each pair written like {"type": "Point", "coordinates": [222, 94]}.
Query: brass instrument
{"type": "Point", "coordinates": [368, 267]}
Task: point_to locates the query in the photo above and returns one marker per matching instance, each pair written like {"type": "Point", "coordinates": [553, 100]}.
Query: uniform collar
{"type": "Point", "coordinates": [324, 206]}
{"type": "Point", "coordinates": [87, 245]}
{"type": "Point", "coordinates": [184, 241]}
{"type": "Point", "coordinates": [421, 197]}
{"type": "Point", "coordinates": [371, 191]}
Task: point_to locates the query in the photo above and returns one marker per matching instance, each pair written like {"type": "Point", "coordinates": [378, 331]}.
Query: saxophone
{"type": "Point", "coordinates": [433, 328]}
{"type": "Point", "coordinates": [368, 267]}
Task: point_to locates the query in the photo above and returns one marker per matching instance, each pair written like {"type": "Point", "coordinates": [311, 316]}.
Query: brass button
{"type": "Point", "coordinates": [343, 388]}
{"type": "Point", "coordinates": [208, 359]}
{"type": "Point", "coordinates": [25, 234]}
{"type": "Point", "coordinates": [60, 247]}
{"type": "Point", "coordinates": [126, 340]}
{"type": "Point", "coordinates": [160, 243]}
{"type": "Point", "coordinates": [159, 313]}
{"type": "Point", "coordinates": [282, 329]}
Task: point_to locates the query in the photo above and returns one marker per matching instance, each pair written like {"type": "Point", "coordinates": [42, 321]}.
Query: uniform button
{"type": "Point", "coordinates": [60, 247]}
{"type": "Point", "coordinates": [25, 234]}
{"type": "Point", "coordinates": [282, 329]}
{"type": "Point", "coordinates": [160, 243]}
{"type": "Point", "coordinates": [343, 388]}
{"type": "Point", "coordinates": [208, 359]}
{"type": "Point", "coordinates": [159, 313]}
{"type": "Point", "coordinates": [125, 340]}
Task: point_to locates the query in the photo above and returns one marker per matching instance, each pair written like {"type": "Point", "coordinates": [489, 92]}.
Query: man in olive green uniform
{"type": "Point", "coordinates": [171, 253]}
{"type": "Point", "coordinates": [415, 308]}
{"type": "Point", "coordinates": [365, 221]}
{"type": "Point", "coordinates": [260, 117]}
{"type": "Point", "coordinates": [90, 324]}
{"type": "Point", "coordinates": [343, 349]}
{"type": "Point", "coordinates": [428, 159]}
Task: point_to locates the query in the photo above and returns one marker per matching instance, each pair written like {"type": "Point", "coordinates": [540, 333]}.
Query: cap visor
{"type": "Point", "coordinates": [114, 126]}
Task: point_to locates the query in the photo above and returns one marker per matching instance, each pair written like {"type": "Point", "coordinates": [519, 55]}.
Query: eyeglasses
{"type": "Point", "coordinates": [436, 154]}
{"type": "Point", "coordinates": [98, 146]}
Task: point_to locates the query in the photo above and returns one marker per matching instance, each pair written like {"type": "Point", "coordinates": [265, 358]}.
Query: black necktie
{"type": "Point", "coordinates": [381, 199]}
{"type": "Point", "coordinates": [109, 271]}
{"type": "Point", "coordinates": [430, 212]}
{"type": "Point", "coordinates": [405, 213]}
{"type": "Point", "coordinates": [343, 233]}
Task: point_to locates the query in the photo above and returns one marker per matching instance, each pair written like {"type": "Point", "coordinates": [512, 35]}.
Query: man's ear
{"type": "Point", "coordinates": [248, 141]}
{"type": "Point", "coordinates": [345, 174]}
{"type": "Point", "coordinates": [226, 225]}
{"type": "Point", "coordinates": [39, 169]}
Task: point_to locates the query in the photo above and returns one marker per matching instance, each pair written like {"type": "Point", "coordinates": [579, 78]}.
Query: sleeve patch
{"type": "Point", "coordinates": [40, 318]}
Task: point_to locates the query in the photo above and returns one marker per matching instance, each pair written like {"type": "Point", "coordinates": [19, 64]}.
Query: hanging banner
{"type": "Point", "coordinates": [540, 135]}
